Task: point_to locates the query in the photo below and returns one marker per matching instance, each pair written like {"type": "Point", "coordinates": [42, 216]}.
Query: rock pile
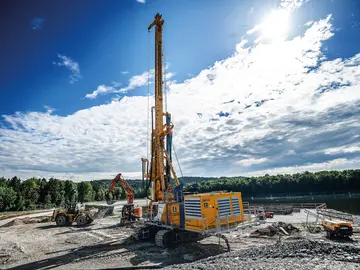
{"type": "Point", "coordinates": [306, 254]}
{"type": "Point", "coordinates": [278, 227]}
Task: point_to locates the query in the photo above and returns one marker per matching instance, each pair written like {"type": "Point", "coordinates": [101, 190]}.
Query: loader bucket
{"type": "Point", "coordinates": [100, 213]}
{"type": "Point", "coordinates": [93, 213]}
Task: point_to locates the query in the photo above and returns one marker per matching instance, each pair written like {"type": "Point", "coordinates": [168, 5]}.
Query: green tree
{"type": "Point", "coordinates": [85, 191]}
{"type": "Point", "coordinates": [117, 193]}
{"type": "Point", "coordinates": [100, 195]}
{"type": "Point", "coordinates": [15, 183]}
{"type": "Point", "coordinates": [7, 198]}
{"type": "Point", "coordinates": [71, 193]}
{"type": "Point", "coordinates": [43, 190]}
{"type": "Point", "coordinates": [47, 200]}
{"type": "Point", "coordinates": [56, 191]}
{"type": "Point", "coordinates": [30, 191]}
{"type": "Point", "coordinates": [3, 182]}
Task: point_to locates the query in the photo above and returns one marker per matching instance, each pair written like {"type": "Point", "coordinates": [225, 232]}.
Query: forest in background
{"type": "Point", "coordinates": [39, 193]}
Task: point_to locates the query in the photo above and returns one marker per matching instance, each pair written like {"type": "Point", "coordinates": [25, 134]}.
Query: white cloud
{"type": "Point", "coordinates": [116, 84]}
{"type": "Point", "coordinates": [292, 4]}
{"type": "Point", "coordinates": [274, 27]}
{"type": "Point", "coordinates": [49, 109]}
{"type": "Point", "coordinates": [134, 82]}
{"type": "Point", "coordinates": [272, 108]}
{"type": "Point", "coordinates": [71, 65]}
{"type": "Point", "coordinates": [124, 72]}
{"type": "Point", "coordinates": [141, 1]}
{"type": "Point", "coordinates": [251, 161]}
{"type": "Point", "coordinates": [343, 149]}
{"type": "Point", "coordinates": [169, 75]}
{"type": "Point", "coordinates": [309, 23]}
{"type": "Point", "coordinates": [254, 29]}
{"type": "Point", "coordinates": [101, 89]}
{"type": "Point", "coordinates": [138, 81]}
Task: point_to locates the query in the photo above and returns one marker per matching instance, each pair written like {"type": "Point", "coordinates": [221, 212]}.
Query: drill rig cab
{"type": "Point", "coordinates": [172, 217]}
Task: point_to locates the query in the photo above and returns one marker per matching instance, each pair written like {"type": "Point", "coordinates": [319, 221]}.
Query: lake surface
{"type": "Point", "coordinates": [349, 203]}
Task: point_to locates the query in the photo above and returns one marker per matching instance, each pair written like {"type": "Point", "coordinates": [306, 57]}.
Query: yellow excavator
{"type": "Point", "coordinates": [173, 218]}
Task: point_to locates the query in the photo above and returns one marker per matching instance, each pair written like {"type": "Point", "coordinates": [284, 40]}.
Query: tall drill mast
{"type": "Point", "coordinates": [157, 167]}
{"type": "Point", "coordinates": [159, 172]}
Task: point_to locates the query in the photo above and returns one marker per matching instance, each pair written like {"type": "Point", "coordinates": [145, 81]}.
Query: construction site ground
{"type": "Point", "coordinates": [104, 244]}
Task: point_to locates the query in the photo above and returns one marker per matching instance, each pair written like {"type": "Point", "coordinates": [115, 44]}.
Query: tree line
{"type": "Point", "coordinates": [324, 182]}
{"type": "Point", "coordinates": [33, 193]}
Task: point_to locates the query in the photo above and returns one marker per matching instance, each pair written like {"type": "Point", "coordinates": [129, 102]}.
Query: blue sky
{"type": "Point", "coordinates": [105, 40]}
{"type": "Point", "coordinates": [72, 74]}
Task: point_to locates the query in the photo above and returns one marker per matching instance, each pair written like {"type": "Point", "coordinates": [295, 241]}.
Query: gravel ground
{"type": "Point", "coordinates": [301, 254]}
{"type": "Point", "coordinates": [104, 244]}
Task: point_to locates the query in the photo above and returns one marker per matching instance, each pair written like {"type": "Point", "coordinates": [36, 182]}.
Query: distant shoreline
{"type": "Point", "coordinates": [304, 197]}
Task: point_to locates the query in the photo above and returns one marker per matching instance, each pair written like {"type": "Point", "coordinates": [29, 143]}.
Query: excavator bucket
{"type": "Point", "coordinates": [110, 202]}
{"type": "Point", "coordinates": [107, 193]}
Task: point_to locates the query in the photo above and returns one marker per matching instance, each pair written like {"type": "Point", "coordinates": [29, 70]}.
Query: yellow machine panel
{"type": "Point", "coordinates": [172, 212]}
{"type": "Point", "coordinates": [337, 228]}
{"type": "Point", "coordinates": [213, 212]}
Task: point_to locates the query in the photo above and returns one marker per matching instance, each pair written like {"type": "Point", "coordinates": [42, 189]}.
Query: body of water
{"type": "Point", "coordinates": [349, 203]}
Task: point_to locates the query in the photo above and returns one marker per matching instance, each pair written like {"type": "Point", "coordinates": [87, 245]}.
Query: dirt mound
{"type": "Point", "coordinates": [13, 223]}
{"type": "Point", "coordinates": [23, 221]}
{"type": "Point", "coordinates": [36, 220]}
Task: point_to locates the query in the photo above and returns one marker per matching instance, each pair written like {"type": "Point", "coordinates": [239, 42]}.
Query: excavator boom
{"type": "Point", "coordinates": [124, 184]}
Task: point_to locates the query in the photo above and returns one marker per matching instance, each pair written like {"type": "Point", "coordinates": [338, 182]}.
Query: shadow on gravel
{"type": "Point", "coordinates": [344, 240]}
{"type": "Point", "coordinates": [183, 254]}
{"type": "Point", "coordinates": [91, 252]}
{"type": "Point", "coordinates": [139, 254]}
{"type": "Point", "coordinates": [52, 226]}
{"type": "Point", "coordinates": [87, 228]}
{"type": "Point", "coordinates": [46, 227]}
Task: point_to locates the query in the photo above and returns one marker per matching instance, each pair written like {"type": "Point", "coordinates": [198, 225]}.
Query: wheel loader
{"type": "Point", "coordinates": [66, 216]}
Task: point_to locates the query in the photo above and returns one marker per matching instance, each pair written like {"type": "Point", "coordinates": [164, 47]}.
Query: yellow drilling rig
{"type": "Point", "coordinates": [173, 218]}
